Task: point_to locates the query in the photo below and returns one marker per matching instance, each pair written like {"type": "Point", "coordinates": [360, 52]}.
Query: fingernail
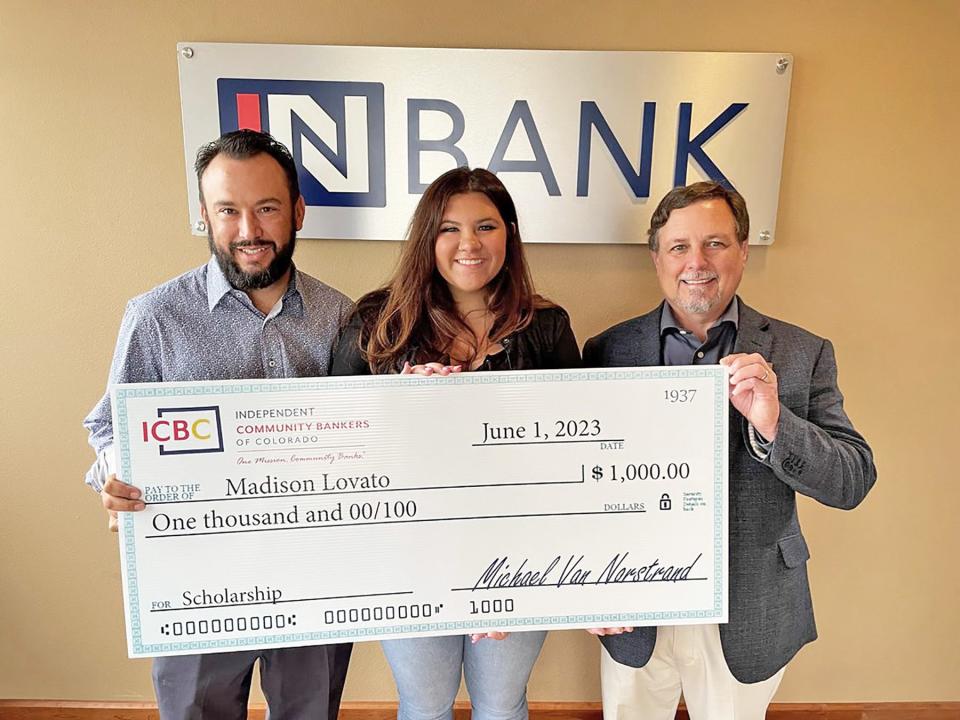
{"type": "Point", "coordinates": [134, 494]}
{"type": "Point", "coordinates": [139, 506]}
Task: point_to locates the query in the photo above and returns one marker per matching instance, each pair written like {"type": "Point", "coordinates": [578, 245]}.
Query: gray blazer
{"type": "Point", "coordinates": [817, 453]}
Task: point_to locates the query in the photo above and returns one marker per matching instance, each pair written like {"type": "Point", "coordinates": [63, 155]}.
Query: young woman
{"type": "Point", "coordinates": [461, 299]}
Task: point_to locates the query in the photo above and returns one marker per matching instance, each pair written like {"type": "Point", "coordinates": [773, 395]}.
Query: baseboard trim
{"type": "Point", "coordinates": [82, 710]}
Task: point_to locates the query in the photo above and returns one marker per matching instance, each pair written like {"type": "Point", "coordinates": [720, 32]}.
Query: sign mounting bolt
{"type": "Point", "coordinates": [187, 52]}
{"type": "Point", "coordinates": [782, 64]}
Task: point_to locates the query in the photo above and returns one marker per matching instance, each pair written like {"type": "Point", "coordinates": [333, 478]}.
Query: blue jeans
{"type": "Point", "coordinates": [427, 673]}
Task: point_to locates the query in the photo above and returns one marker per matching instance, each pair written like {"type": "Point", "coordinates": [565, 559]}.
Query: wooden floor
{"type": "Point", "coordinates": [67, 710]}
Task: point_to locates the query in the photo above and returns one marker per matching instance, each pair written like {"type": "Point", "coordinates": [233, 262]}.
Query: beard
{"type": "Point", "coordinates": [698, 305]}
{"type": "Point", "coordinates": [241, 280]}
{"type": "Point", "coordinates": [697, 301]}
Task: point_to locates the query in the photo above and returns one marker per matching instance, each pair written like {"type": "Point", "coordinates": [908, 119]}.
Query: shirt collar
{"type": "Point", "coordinates": [731, 315]}
{"type": "Point", "coordinates": [218, 285]}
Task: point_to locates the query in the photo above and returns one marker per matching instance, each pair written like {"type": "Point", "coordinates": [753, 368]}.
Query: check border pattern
{"type": "Point", "coordinates": [202, 388]}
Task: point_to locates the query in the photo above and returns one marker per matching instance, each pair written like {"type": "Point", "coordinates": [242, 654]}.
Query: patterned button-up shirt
{"type": "Point", "coordinates": [198, 327]}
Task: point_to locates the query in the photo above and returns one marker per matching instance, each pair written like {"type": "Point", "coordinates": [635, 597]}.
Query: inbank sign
{"type": "Point", "coordinates": [587, 142]}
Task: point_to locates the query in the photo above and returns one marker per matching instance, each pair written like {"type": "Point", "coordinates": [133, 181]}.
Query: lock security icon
{"type": "Point", "coordinates": [665, 502]}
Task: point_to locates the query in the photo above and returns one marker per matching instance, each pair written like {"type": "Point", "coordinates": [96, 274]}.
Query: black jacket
{"type": "Point", "coordinates": [546, 343]}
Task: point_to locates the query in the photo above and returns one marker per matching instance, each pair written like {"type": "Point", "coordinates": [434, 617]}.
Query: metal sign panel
{"type": "Point", "coordinates": [587, 142]}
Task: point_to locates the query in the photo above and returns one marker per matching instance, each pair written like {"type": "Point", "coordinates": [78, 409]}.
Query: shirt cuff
{"type": "Point", "coordinates": [102, 468]}
{"type": "Point", "coordinates": [759, 445]}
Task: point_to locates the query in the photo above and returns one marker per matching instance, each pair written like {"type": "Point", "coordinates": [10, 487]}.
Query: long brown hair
{"type": "Point", "coordinates": [413, 317]}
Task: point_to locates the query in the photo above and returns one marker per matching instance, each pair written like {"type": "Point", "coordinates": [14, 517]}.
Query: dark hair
{"type": "Point", "coordinates": [681, 197]}
{"type": "Point", "coordinates": [415, 311]}
{"type": "Point", "coordinates": [243, 144]}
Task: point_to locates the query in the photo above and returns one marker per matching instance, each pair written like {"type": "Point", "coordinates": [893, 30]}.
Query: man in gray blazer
{"type": "Point", "coordinates": [788, 434]}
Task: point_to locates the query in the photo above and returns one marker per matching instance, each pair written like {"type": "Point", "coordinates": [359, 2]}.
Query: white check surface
{"type": "Point", "coordinates": [299, 512]}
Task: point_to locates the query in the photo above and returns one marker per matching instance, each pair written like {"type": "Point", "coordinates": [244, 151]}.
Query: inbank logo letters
{"type": "Point", "coordinates": [335, 131]}
{"type": "Point", "coordinates": [585, 141]}
{"type": "Point", "coordinates": [185, 430]}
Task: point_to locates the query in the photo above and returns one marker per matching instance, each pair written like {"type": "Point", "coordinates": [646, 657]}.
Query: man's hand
{"type": "Point", "coordinates": [609, 630]}
{"type": "Point", "coordinates": [754, 392]}
{"type": "Point", "coordinates": [117, 497]}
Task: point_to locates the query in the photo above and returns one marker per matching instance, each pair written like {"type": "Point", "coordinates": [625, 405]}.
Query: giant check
{"type": "Point", "coordinates": [317, 510]}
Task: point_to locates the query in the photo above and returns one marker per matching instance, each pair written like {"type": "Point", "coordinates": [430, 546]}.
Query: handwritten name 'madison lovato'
{"type": "Point", "coordinates": [272, 485]}
{"type": "Point", "coordinates": [570, 571]}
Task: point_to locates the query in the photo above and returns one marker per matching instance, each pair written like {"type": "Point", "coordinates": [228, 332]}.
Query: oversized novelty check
{"type": "Point", "coordinates": [319, 510]}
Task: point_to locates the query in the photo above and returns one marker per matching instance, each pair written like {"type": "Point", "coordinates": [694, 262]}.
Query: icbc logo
{"type": "Point", "coordinates": [180, 431]}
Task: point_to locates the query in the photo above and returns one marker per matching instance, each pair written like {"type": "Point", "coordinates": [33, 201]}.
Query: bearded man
{"type": "Point", "coordinates": [248, 313]}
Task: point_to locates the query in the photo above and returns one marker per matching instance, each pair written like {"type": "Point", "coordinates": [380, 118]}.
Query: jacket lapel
{"type": "Point", "coordinates": [753, 334]}
{"type": "Point", "coordinates": [646, 350]}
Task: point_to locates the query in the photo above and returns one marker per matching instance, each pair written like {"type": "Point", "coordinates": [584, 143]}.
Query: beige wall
{"type": "Point", "coordinates": [93, 211]}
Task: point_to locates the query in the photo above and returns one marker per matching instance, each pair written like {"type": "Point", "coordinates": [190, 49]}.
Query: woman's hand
{"type": "Point", "coordinates": [609, 630]}
{"type": "Point", "coordinates": [493, 635]}
{"type": "Point", "coordinates": [433, 368]}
